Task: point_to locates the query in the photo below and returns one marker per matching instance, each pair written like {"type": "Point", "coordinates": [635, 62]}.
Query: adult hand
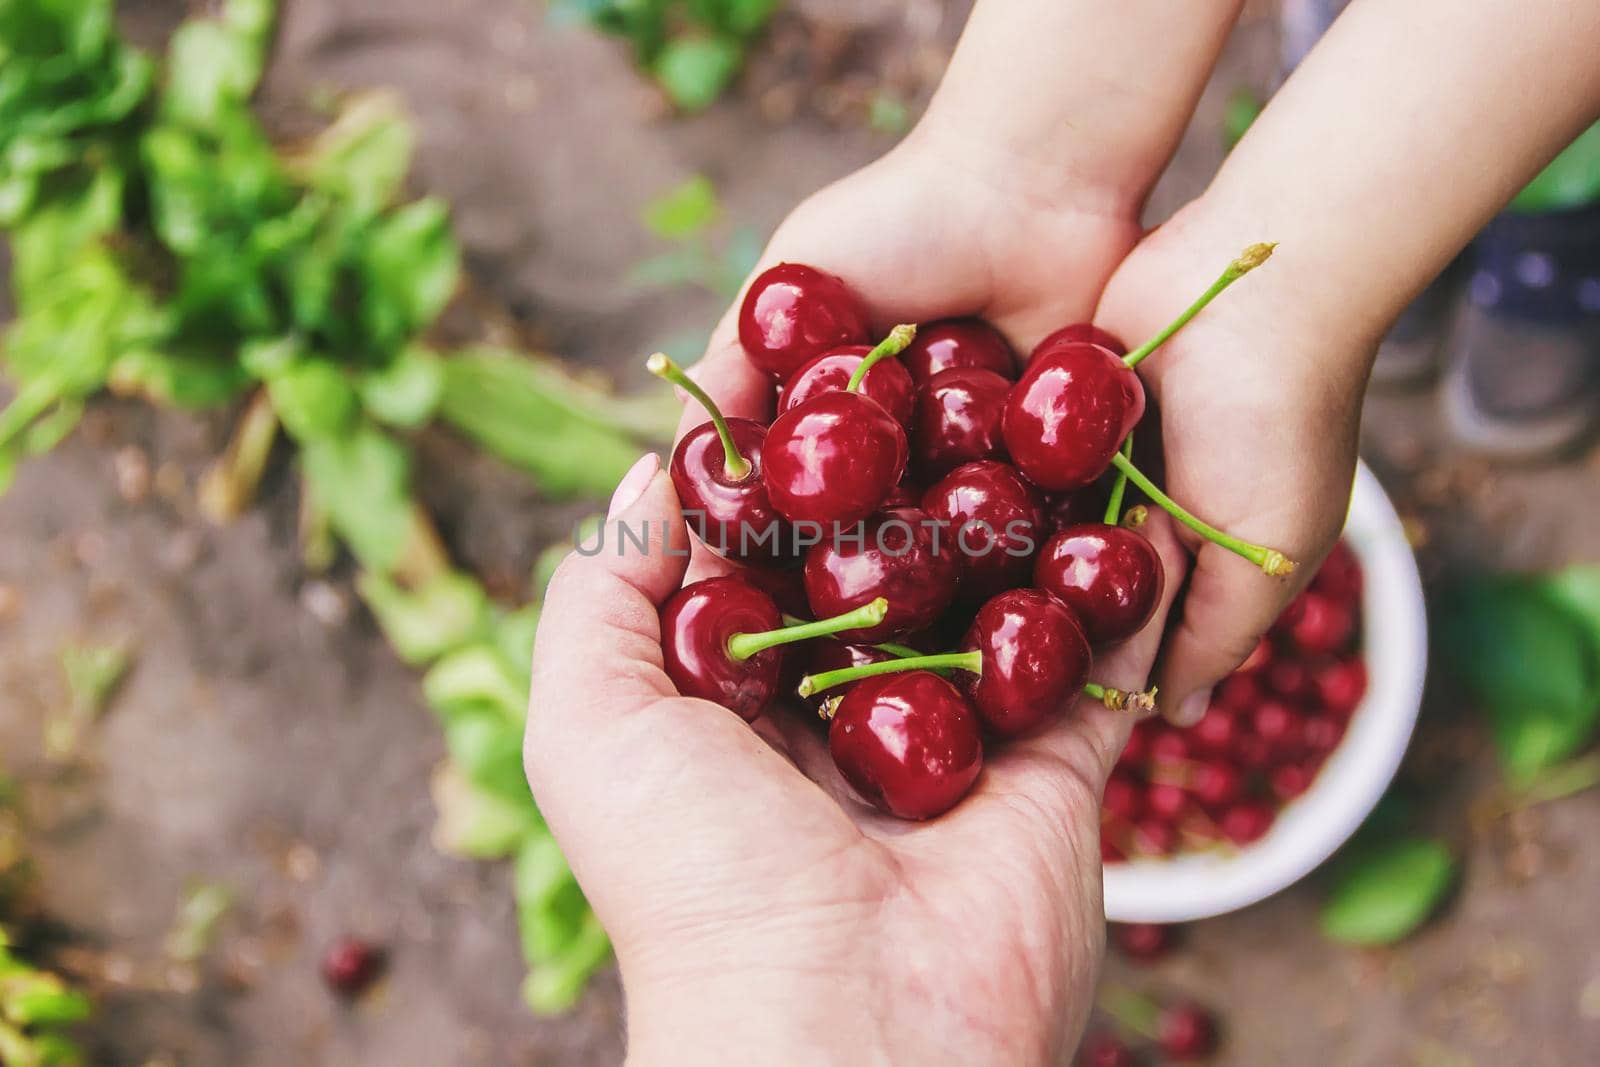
{"type": "Point", "coordinates": [760, 911]}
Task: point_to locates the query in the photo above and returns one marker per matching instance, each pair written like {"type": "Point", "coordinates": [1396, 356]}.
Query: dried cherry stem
{"type": "Point", "coordinates": [1119, 488]}
{"type": "Point", "coordinates": [733, 464]}
{"type": "Point", "coordinates": [1270, 560]}
{"type": "Point", "coordinates": [742, 646]}
{"type": "Point", "coordinates": [893, 345]}
{"type": "Point", "coordinates": [816, 683]}
{"type": "Point", "coordinates": [1140, 700]}
{"type": "Point", "coordinates": [1248, 260]}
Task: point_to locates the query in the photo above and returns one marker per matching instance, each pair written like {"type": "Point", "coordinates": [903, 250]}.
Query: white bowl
{"type": "Point", "coordinates": [1307, 831]}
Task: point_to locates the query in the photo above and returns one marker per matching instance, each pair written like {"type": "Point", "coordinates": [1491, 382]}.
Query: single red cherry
{"type": "Point", "coordinates": [1035, 661]}
{"type": "Point", "coordinates": [1104, 1050]}
{"type": "Point", "coordinates": [1215, 733]}
{"type": "Point", "coordinates": [1340, 684]}
{"type": "Point", "coordinates": [1319, 624]}
{"type": "Point", "coordinates": [351, 966]}
{"type": "Point", "coordinates": [1246, 822]}
{"type": "Point", "coordinates": [892, 555]}
{"type": "Point", "coordinates": [958, 343]}
{"type": "Point", "coordinates": [993, 518]}
{"type": "Point", "coordinates": [1068, 415]}
{"type": "Point", "coordinates": [716, 470]}
{"type": "Point", "coordinates": [1339, 578]}
{"type": "Point", "coordinates": [1323, 733]}
{"type": "Point", "coordinates": [1291, 679]}
{"type": "Point", "coordinates": [833, 459]}
{"type": "Point", "coordinates": [1084, 331]}
{"type": "Point", "coordinates": [1186, 1032]}
{"type": "Point", "coordinates": [1289, 780]}
{"type": "Point", "coordinates": [1110, 576]}
{"type": "Point", "coordinates": [1166, 801]}
{"type": "Point", "coordinates": [887, 381]}
{"type": "Point", "coordinates": [957, 420]}
{"type": "Point", "coordinates": [1241, 692]}
{"type": "Point", "coordinates": [720, 638]}
{"type": "Point", "coordinates": [1216, 784]}
{"type": "Point", "coordinates": [793, 312]}
{"type": "Point", "coordinates": [1279, 725]}
{"type": "Point", "coordinates": [1168, 746]}
{"type": "Point", "coordinates": [908, 743]}
{"type": "Point", "coordinates": [1144, 942]}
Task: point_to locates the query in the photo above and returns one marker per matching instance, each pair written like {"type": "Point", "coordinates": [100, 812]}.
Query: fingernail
{"type": "Point", "coordinates": [632, 486]}
{"type": "Point", "coordinates": [1192, 710]}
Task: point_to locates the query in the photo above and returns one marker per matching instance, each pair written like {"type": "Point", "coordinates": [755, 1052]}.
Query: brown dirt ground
{"type": "Point", "coordinates": [266, 739]}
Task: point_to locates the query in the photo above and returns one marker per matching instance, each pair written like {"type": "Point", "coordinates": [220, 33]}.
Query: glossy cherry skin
{"type": "Point", "coordinates": [887, 382]}
{"type": "Point", "coordinates": [1083, 331]}
{"type": "Point", "coordinates": [957, 420]}
{"type": "Point", "coordinates": [994, 519]}
{"type": "Point", "coordinates": [895, 558]}
{"type": "Point", "coordinates": [793, 312]}
{"type": "Point", "coordinates": [1035, 661]}
{"type": "Point", "coordinates": [908, 743]}
{"type": "Point", "coordinates": [1186, 1032]}
{"type": "Point", "coordinates": [1068, 415]}
{"type": "Point", "coordinates": [732, 516]}
{"type": "Point", "coordinates": [949, 343]}
{"type": "Point", "coordinates": [696, 623]}
{"type": "Point", "coordinates": [1110, 576]}
{"type": "Point", "coordinates": [1079, 506]}
{"type": "Point", "coordinates": [833, 459]}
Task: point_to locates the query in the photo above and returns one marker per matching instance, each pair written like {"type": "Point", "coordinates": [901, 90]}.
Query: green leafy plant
{"type": "Point", "coordinates": [1386, 889]}
{"type": "Point", "coordinates": [693, 48]}
{"type": "Point", "coordinates": [1527, 649]}
{"type": "Point", "coordinates": [164, 247]}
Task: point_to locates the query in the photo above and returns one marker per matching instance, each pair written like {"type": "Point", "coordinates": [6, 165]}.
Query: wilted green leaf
{"type": "Point", "coordinates": [1388, 891]}
{"type": "Point", "coordinates": [694, 70]}
{"type": "Point", "coordinates": [683, 210]}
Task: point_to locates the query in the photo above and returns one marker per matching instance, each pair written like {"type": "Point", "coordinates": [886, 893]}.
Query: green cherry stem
{"type": "Point", "coordinates": [816, 683]}
{"type": "Point", "coordinates": [893, 345]}
{"type": "Point", "coordinates": [902, 651]}
{"type": "Point", "coordinates": [1142, 700]}
{"type": "Point", "coordinates": [734, 465]}
{"type": "Point", "coordinates": [1270, 560]}
{"type": "Point", "coordinates": [1119, 488]}
{"type": "Point", "coordinates": [742, 646]}
{"type": "Point", "coordinates": [1248, 260]}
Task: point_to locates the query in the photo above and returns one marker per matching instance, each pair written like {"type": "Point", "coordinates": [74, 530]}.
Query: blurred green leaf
{"type": "Point", "coordinates": [314, 399]}
{"type": "Point", "coordinates": [361, 159]}
{"type": "Point", "coordinates": [1243, 108]}
{"type": "Point", "coordinates": [1388, 891]}
{"type": "Point", "coordinates": [406, 391]}
{"type": "Point", "coordinates": [1572, 180]}
{"type": "Point", "coordinates": [363, 480]}
{"type": "Point", "coordinates": [488, 751]}
{"type": "Point", "coordinates": [1577, 589]}
{"type": "Point", "coordinates": [683, 210]}
{"type": "Point", "coordinates": [474, 822]}
{"type": "Point", "coordinates": [889, 113]}
{"type": "Point", "coordinates": [1532, 666]}
{"type": "Point", "coordinates": [203, 908]}
{"type": "Point", "coordinates": [422, 624]}
{"type": "Point", "coordinates": [694, 69]}
{"type": "Point", "coordinates": [410, 267]}
{"type": "Point", "coordinates": [93, 673]}
{"type": "Point", "coordinates": [476, 677]}
{"type": "Point", "coordinates": [211, 67]}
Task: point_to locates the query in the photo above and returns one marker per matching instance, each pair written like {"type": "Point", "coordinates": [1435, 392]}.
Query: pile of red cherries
{"type": "Point", "coordinates": [929, 550]}
{"type": "Point", "coordinates": [1267, 732]}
